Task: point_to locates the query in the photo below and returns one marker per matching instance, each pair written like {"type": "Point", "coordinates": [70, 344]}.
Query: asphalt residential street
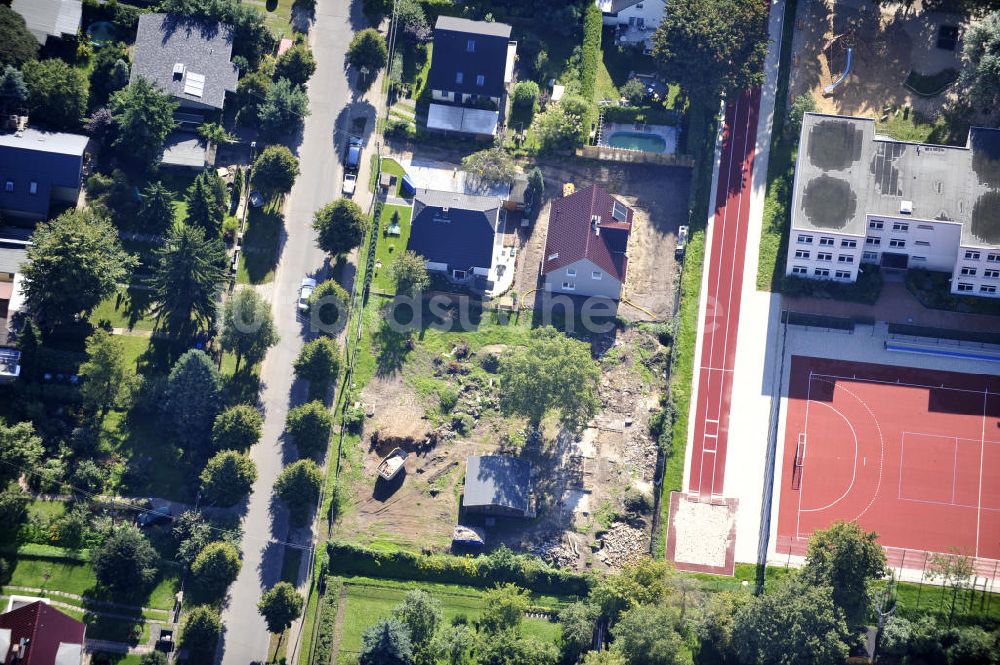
{"type": "Point", "coordinates": [245, 638]}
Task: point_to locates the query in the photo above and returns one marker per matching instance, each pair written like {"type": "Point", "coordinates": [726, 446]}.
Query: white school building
{"type": "Point", "coordinates": [866, 199]}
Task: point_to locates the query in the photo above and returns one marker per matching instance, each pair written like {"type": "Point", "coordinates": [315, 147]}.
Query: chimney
{"type": "Point", "coordinates": [595, 223]}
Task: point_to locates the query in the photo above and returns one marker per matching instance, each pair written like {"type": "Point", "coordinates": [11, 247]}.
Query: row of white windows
{"type": "Point", "coordinates": [821, 272]}
{"type": "Point", "coordinates": [973, 255]}
{"type": "Point", "coordinates": [878, 225]}
{"type": "Point", "coordinates": [825, 241]}
{"type": "Point", "coordinates": [8, 187]}
{"type": "Point", "coordinates": [824, 256]}
{"type": "Point", "coordinates": [597, 274]}
{"type": "Point", "coordinates": [988, 272]}
{"type": "Point", "coordinates": [872, 257]}
{"type": "Point", "coordinates": [965, 287]}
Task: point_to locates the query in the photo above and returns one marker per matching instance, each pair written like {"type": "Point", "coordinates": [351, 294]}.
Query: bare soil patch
{"type": "Point", "coordinates": [587, 485]}
{"type": "Point", "coordinates": [886, 42]}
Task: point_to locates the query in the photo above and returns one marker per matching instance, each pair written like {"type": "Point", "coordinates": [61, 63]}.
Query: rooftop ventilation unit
{"type": "Point", "coordinates": [178, 71]}
{"type": "Point", "coordinates": [906, 207]}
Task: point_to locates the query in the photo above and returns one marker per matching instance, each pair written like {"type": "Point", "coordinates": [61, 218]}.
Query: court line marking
{"type": "Point", "coordinates": [946, 504]}
{"type": "Point", "coordinates": [854, 466]}
{"type": "Point", "coordinates": [881, 438]}
{"type": "Point", "coordinates": [953, 440]}
{"type": "Point", "coordinates": [862, 379]}
{"type": "Point", "coordinates": [802, 474]}
{"type": "Point", "coordinates": [951, 436]}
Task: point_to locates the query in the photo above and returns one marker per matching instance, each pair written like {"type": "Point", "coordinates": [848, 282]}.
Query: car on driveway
{"type": "Point", "coordinates": [305, 290]}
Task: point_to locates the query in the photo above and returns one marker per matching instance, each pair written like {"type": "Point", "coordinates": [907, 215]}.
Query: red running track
{"type": "Point", "coordinates": [724, 261]}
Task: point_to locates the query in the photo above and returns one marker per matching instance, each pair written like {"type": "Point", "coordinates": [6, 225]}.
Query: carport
{"type": "Point", "coordinates": [461, 119]}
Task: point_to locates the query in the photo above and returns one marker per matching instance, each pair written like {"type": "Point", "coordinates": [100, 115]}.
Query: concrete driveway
{"type": "Point", "coordinates": [266, 530]}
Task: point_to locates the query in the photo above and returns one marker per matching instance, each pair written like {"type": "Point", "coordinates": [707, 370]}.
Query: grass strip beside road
{"type": "Point", "coordinates": [780, 170]}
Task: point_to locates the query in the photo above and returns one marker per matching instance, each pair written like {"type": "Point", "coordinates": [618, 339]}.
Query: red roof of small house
{"type": "Point", "coordinates": [44, 628]}
{"type": "Point", "coordinates": [588, 224]}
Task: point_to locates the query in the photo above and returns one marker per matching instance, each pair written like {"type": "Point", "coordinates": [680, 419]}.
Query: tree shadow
{"type": "Point", "coordinates": [393, 347]}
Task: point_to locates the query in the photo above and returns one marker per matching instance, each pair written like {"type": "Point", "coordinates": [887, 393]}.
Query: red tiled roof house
{"type": "Point", "coordinates": [37, 634]}
{"type": "Point", "coordinates": [585, 249]}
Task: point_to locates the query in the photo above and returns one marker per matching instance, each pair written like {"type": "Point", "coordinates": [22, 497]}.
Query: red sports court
{"type": "Point", "coordinates": [912, 454]}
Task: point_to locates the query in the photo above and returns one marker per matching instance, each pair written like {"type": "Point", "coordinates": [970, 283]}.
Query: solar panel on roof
{"type": "Point", "coordinates": [194, 84]}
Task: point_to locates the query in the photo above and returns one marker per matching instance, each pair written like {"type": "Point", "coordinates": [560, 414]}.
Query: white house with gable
{"type": "Point", "coordinates": [636, 19]}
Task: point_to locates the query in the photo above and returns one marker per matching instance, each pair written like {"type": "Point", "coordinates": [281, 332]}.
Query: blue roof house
{"type": "Point", "coordinates": [37, 168]}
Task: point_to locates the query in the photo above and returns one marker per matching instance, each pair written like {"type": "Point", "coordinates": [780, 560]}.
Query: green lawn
{"type": "Point", "coordinates": [129, 308]}
{"type": "Point", "coordinates": [908, 125]}
{"type": "Point", "coordinates": [277, 14]}
{"type": "Point", "coordinates": [389, 247]}
{"type": "Point", "coordinates": [260, 244]}
{"type": "Point", "coordinates": [371, 600]}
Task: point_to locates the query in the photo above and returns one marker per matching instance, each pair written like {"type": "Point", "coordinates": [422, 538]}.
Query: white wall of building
{"type": "Point", "coordinates": [824, 255]}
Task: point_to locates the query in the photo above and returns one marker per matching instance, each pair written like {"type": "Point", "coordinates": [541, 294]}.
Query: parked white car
{"type": "Point", "coordinates": [305, 290]}
{"type": "Point", "coordinates": [350, 183]}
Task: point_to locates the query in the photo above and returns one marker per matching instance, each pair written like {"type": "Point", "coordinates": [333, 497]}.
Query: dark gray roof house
{"type": "Point", "coordinates": [38, 167]}
{"type": "Point", "coordinates": [455, 233]}
{"type": "Point", "coordinates": [50, 18]}
{"type": "Point", "coordinates": [188, 59]}
{"type": "Point", "coordinates": [497, 485]}
{"type": "Point", "coordinates": [473, 49]}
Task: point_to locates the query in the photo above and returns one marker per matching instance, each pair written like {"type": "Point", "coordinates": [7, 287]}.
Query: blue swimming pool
{"type": "Point", "coordinates": [638, 141]}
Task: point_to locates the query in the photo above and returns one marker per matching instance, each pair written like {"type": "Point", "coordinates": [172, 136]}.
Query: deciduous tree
{"type": "Point", "coordinates": [20, 450]}
{"type": "Point", "coordinates": [452, 643]}
{"type": "Point", "coordinates": [508, 647]}
{"type": "Point", "coordinates": [368, 50]}
{"type": "Point", "coordinates": [490, 165]}
{"type": "Point", "coordinates": [228, 477]}
{"type": "Point", "coordinates": [298, 486]}
{"type": "Point", "coordinates": [712, 46]}
{"type": "Point", "coordinates": [200, 633]}
{"type": "Point", "coordinates": [110, 73]}
{"type": "Point", "coordinates": [126, 563]}
{"type": "Point", "coordinates": [248, 328]}
{"type": "Point", "coordinates": [275, 170]}
{"type": "Point", "coordinates": [296, 64]}
{"type": "Point", "coordinates": [340, 226]}
{"type": "Point", "coordinates": [237, 428]}
{"type": "Point", "coordinates": [329, 308]}
{"type": "Point", "coordinates": [762, 633]}
{"type": "Point", "coordinates": [215, 568]}
{"type": "Point", "coordinates": [107, 377]}
{"type": "Point", "coordinates": [144, 116]}
{"type": "Point", "coordinates": [980, 75]}
{"type": "Point", "coordinates": [280, 606]}
{"type": "Point", "coordinates": [74, 262]}
{"type": "Point", "coordinates": [421, 614]}
{"type": "Point", "coordinates": [319, 364]}
{"type": "Point", "coordinates": [57, 93]}
{"type": "Point", "coordinates": [310, 426]}
{"type": "Point", "coordinates": [650, 635]}
{"type": "Point", "coordinates": [576, 630]}
{"type": "Point", "coordinates": [409, 273]}
{"type": "Point", "coordinates": [503, 608]}
{"type": "Point", "coordinates": [849, 560]}
{"type": "Point", "coordinates": [551, 372]}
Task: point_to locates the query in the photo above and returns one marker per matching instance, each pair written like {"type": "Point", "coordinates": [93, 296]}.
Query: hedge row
{"type": "Point", "coordinates": [591, 51]}
{"type": "Point", "coordinates": [482, 571]}
{"type": "Point", "coordinates": [323, 651]}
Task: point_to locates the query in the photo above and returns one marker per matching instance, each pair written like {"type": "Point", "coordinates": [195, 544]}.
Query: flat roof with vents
{"type": "Point", "coordinates": [846, 172]}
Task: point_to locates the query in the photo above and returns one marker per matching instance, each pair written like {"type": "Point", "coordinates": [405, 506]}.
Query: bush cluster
{"type": "Point", "coordinates": [499, 567]}
{"type": "Point", "coordinates": [326, 620]}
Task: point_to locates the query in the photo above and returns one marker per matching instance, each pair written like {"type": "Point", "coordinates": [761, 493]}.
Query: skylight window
{"type": "Point", "coordinates": [619, 211]}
